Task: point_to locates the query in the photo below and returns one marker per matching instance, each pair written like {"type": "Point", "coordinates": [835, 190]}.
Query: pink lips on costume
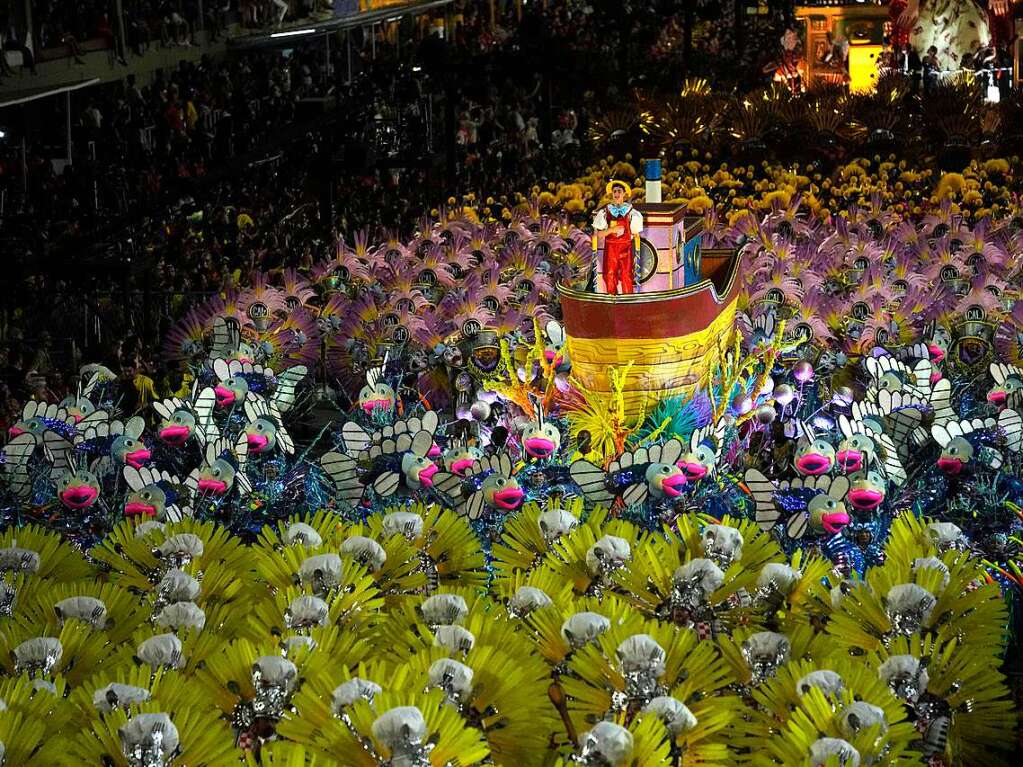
{"type": "Point", "coordinates": [372, 404]}
{"type": "Point", "coordinates": [850, 460]}
{"type": "Point", "coordinates": [673, 485]}
{"type": "Point", "coordinates": [813, 463]}
{"type": "Point", "coordinates": [694, 471]}
{"type": "Point", "coordinates": [212, 486]}
{"type": "Point", "coordinates": [835, 521]}
{"type": "Point", "coordinates": [509, 498]}
{"type": "Point", "coordinates": [950, 465]}
{"type": "Point", "coordinates": [225, 396]}
{"type": "Point", "coordinates": [461, 466]}
{"type": "Point", "coordinates": [257, 443]}
{"type": "Point", "coordinates": [538, 447]}
{"type": "Point", "coordinates": [79, 497]}
{"type": "Point", "coordinates": [997, 397]}
{"type": "Point", "coordinates": [175, 435]}
{"type": "Point", "coordinates": [864, 499]}
{"type": "Point", "coordinates": [137, 458]}
{"type": "Point", "coordinates": [426, 475]}
{"type": "Point", "coordinates": [137, 508]}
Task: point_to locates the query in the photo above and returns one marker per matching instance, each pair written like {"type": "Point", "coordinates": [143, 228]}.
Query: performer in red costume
{"type": "Point", "coordinates": [901, 24]}
{"type": "Point", "coordinates": [1000, 23]}
{"type": "Point", "coordinates": [618, 224]}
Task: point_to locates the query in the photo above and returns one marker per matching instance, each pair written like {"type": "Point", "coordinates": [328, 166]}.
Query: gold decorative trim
{"type": "Point", "coordinates": [658, 364]}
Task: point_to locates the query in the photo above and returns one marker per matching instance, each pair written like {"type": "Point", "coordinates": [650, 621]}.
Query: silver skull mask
{"type": "Point", "coordinates": [828, 682]}
{"type": "Point", "coordinates": [905, 676]}
{"type": "Point", "coordinates": [354, 689]}
{"type": "Point", "coordinates": [722, 544]}
{"type": "Point", "coordinates": [403, 731]}
{"type": "Point", "coordinates": [149, 740]}
{"type": "Point", "coordinates": [273, 678]}
{"type": "Point", "coordinates": [606, 745]}
{"type": "Point", "coordinates": [836, 750]}
{"type": "Point", "coordinates": [444, 609]}
{"type": "Point", "coordinates": [764, 653]}
{"type": "Point", "coordinates": [608, 554]}
{"type": "Point", "coordinates": [115, 695]}
{"type": "Point", "coordinates": [675, 715]}
{"type": "Point", "coordinates": [38, 656]}
{"type": "Point", "coordinates": [365, 551]}
{"type": "Point", "coordinates": [694, 582]}
{"type": "Point", "coordinates": [909, 608]}
{"type": "Point", "coordinates": [641, 661]}
{"type": "Point", "coordinates": [454, 678]}
{"type": "Point", "coordinates": [322, 573]}
{"type": "Point", "coordinates": [527, 599]}
{"type": "Point", "coordinates": [583, 627]}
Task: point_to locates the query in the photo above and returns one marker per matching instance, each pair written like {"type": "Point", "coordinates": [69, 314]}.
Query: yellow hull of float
{"type": "Point", "coordinates": [661, 367]}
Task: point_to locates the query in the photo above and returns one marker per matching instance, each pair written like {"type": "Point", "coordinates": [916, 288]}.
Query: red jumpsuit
{"type": "Point", "coordinates": [1000, 23]}
{"type": "Point", "coordinates": [618, 258]}
{"type": "Point", "coordinates": [899, 36]}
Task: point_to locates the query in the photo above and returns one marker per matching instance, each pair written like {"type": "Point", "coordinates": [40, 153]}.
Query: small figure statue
{"type": "Point", "coordinates": [618, 224]}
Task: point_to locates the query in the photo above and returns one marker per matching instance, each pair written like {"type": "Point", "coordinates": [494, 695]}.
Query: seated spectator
{"type": "Point", "coordinates": [174, 30]}
{"type": "Point", "coordinates": [216, 18]}
{"type": "Point", "coordinates": [106, 33]}
{"type": "Point", "coordinates": [69, 40]}
{"type": "Point", "coordinates": [137, 28]}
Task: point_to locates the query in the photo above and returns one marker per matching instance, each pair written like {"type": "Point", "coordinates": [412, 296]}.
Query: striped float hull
{"type": "Point", "coordinates": [672, 338]}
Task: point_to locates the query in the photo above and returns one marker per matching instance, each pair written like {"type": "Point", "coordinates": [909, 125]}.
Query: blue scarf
{"type": "Point", "coordinates": [618, 210]}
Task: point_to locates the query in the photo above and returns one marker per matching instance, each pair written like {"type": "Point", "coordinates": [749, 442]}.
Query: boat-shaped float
{"type": "Point", "coordinates": [674, 330]}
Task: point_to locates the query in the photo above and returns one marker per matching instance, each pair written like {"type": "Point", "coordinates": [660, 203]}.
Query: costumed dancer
{"type": "Point", "coordinates": [901, 25]}
{"type": "Point", "coordinates": [790, 68]}
{"type": "Point", "coordinates": [618, 225]}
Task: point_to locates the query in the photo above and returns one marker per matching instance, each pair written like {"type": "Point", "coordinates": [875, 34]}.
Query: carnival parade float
{"type": "Point", "coordinates": [445, 500]}
{"type": "Point", "coordinates": [674, 329]}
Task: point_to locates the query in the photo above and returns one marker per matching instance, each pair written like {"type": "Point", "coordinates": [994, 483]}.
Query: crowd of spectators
{"type": "Point", "coordinates": [68, 29]}
{"type": "Point", "coordinates": [155, 155]}
{"type": "Point", "coordinates": [182, 184]}
{"type": "Point", "coordinates": [140, 139]}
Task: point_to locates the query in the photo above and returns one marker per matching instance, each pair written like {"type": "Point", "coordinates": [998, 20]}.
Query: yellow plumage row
{"type": "Point", "coordinates": [588, 641]}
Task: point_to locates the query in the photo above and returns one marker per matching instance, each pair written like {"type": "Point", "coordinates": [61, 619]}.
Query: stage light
{"type": "Point", "coordinates": [293, 33]}
{"type": "Point", "coordinates": [3, 134]}
{"type": "Point", "coordinates": [863, 61]}
{"type": "Point", "coordinates": [417, 69]}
